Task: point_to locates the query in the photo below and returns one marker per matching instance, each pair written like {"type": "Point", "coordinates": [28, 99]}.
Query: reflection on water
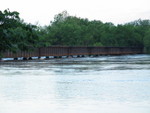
{"type": "Point", "coordinates": [106, 84]}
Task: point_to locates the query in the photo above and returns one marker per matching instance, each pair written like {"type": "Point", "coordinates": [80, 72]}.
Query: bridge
{"type": "Point", "coordinates": [60, 51]}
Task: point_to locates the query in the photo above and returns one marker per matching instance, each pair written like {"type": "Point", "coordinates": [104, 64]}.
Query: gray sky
{"type": "Point", "coordinates": [43, 11]}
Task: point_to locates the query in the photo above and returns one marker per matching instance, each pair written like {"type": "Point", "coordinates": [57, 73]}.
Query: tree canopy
{"type": "Point", "coordinates": [15, 34]}
{"type": "Point", "coordinates": [66, 30]}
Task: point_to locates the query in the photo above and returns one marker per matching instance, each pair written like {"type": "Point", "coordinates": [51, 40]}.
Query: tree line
{"type": "Point", "coordinates": [65, 30]}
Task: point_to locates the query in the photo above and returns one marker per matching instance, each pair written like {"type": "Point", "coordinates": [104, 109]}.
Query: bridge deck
{"type": "Point", "coordinates": [69, 51]}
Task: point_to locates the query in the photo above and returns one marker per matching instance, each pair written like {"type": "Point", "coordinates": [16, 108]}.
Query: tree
{"type": "Point", "coordinates": [7, 20]}
{"type": "Point", "coordinates": [147, 41]}
{"type": "Point", "coordinates": [65, 30]}
{"type": "Point", "coordinates": [60, 17]}
{"type": "Point", "coordinates": [16, 35]}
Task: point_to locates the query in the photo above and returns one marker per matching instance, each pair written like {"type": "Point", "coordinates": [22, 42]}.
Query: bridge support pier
{"type": "Point", "coordinates": [30, 58]}
{"type": "Point", "coordinates": [60, 57]}
{"type": "Point", "coordinates": [24, 58]}
{"type": "Point", "coordinates": [15, 58]}
{"type": "Point", "coordinates": [55, 56]}
{"type": "Point", "coordinates": [47, 57]}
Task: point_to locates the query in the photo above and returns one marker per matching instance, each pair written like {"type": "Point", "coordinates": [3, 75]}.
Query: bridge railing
{"type": "Point", "coordinates": [68, 51]}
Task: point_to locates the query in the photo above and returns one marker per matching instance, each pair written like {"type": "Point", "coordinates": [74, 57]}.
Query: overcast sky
{"type": "Point", "coordinates": [43, 11]}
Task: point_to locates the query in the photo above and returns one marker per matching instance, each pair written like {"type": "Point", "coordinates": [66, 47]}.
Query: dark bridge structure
{"type": "Point", "coordinates": [60, 51]}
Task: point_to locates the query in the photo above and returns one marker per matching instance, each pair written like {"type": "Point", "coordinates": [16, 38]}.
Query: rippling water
{"type": "Point", "coordinates": [106, 84]}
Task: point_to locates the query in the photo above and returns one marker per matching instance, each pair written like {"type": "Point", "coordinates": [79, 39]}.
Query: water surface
{"type": "Point", "coordinates": [105, 84]}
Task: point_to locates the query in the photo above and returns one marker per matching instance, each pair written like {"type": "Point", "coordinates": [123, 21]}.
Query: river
{"type": "Point", "coordinates": [105, 84]}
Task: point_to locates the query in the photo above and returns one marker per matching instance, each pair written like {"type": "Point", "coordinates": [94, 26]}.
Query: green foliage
{"type": "Point", "coordinates": [60, 17]}
{"type": "Point", "coordinates": [98, 44]}
{"type": "Point", "coordinates": [147, 41]}
{"type": "Point", "coordinates": [65, 30]}
{"type": "Point", "coordinates": [125, 35]}
{"type": "Point", "coordinates": [15, 35]}
{"type": "Point", "coordinates": [7, 20]}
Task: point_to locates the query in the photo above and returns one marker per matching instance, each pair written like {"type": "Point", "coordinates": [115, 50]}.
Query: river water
{"type": "Point", "coordinates": [105, 84]}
